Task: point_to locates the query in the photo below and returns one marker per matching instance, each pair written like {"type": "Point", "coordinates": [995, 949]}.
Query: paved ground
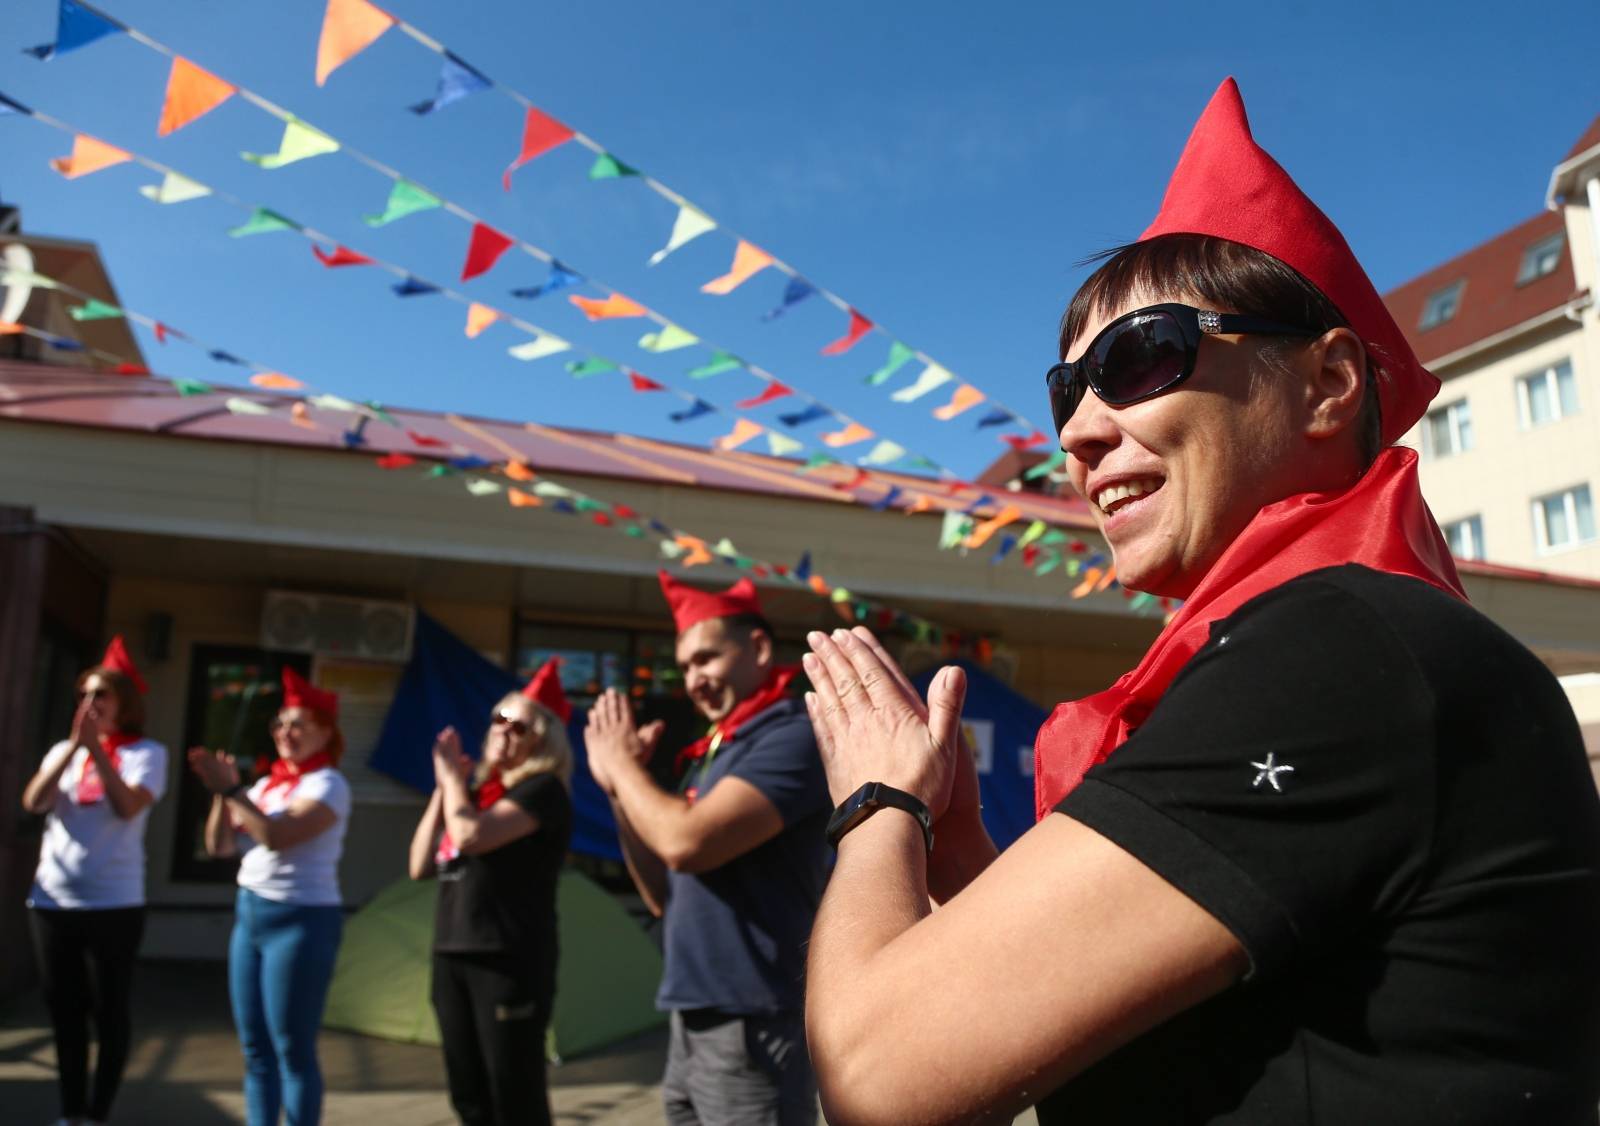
{"type": "Point", "coordinates": [185, 1067]}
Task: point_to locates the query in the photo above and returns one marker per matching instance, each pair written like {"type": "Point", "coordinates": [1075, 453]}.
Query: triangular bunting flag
{"type": "Point", "coordinates": [130, 369]}
{"type": "Point", "coordinates": [859, 327]}
{"type": "Point", "coordinates": [694, 410]}
{"type": "Point", "coordinates": [999, 416]}
{"type": "Point", "coordinates": [10, 105]}
{"type": "Point", "coordinates": [981, 534]}
{"type": "Point", "coordinates": [405, 198]}
{"type": "Point", "coordinates": [1035, 530]}
{"type": "Point", "coordinates": [774, 392]}
{"type": "Point", "coordinates": [954, 531]}
{"type": "Point", "coordinates": [260, 222]}
{"type": "Point", "coordinates": [551, 491]}
{"type": "Point", "coordinates": [396, 461]}
{"type": "Point", "coordinates": [191, 93]}
{"type": "Point", "coordinates": [719, 362]}
{"type": "Point", "coordinates": [520, 499]}
{"type": "Point", "coordinates": [482, 488]}
{"type": "Point", "coordinates": [479, 317]}
{"type": "Point", "coordinates": [520, 471]}
{"type": "Point", "coordinates": [560, 278]}
{"type": "Point", "coordinates": [884, 453]}
{"type": "Point", "coordinates": [348, 28]}
{"type": "Point", "coordinates": [174, 189]}
{"type": "Point", "coordinates": [276, 381]}
{"type": "Point", "coordinates": [593, 365]}
{"type": "Point", "coordinates": [848, 435]}
{"type": "Point", "coordinates": [224, 357]}
{"type": "Point", "coordinates": [237, 405]}
{"type": "Point", "coordinates": [1006, 544]}
{"type": "Point", "coordinates": [748, 260]}
{"type": "Point", "coordinates": [899, 356]}
{"type": "Point", "coordinates": [300, 142]}
{"type": "Point", "coordinates": [88, 155]}
{"type": "Point", "coordinates": [608, 167]}
{"type": "Point", "coordinates": [76, 27]}
{"type": "Point", "coordinates": [339, 256]}
{"type": "Point", "coordinates": [1046, 467]}
{"type": "Point", "coordinates": [781, 445]}
{"type": "Point", "coordinates": [809, 414]}
{"type": "Point", "coordinates": [1020, 442]}
{"type": "Point", "coordinates": [540, 346]}
{"type": "Point", "coordinates": [611, 308]}
{"type": "Point", "coordinates": [743, 431]}
{"type": "Point", "coordinates": [94, 310]}
{"type": "Point", "coordinates": [643, 383]}
{"type": "Point", "coordinates": [334, 403]}
{"type": "Point", "coordinates": [796, 291]}
{"type": "Point", "coordinates": [965, 398]}
{"type": "Point", "coordinates": [414, 287]}
{"type": "Point", "coordinates": [888, 500]}
{"type": "Point", "coordinates": [484, 250]}
{"type": "Point", "coordinates": [690, 224]}
{"type": "Point", "coordinates": [668, 339]}
{"type": "Point", "coordinates": [187, 387]}
{"type": "Point", "coordinates": [932, 376]}
{"type": "Point", "coordinates": [540, 134]}
{"type": "Point", "coordinates": [456, 81]}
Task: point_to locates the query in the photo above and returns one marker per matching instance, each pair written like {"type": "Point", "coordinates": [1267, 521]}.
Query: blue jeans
{"type": "Point", "coordinates": [280, 962]}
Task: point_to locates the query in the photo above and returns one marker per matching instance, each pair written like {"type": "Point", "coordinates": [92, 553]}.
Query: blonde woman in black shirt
{"type": "Point", "coordinates": [496, 838]}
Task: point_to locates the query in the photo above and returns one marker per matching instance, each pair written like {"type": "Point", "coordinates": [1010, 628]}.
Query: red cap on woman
{"type": "Point", "coordinates": [298, 692]}
{"type": "Point", "coordinates": [545, 690]}
{"type": "Point", "coordinates": [118, 660]}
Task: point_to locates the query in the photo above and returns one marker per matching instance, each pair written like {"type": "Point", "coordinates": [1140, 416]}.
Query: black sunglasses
{"type": "Point", "coordinates": [518, 727]}
{"type": "Point", "coordinates": [1145, 352]}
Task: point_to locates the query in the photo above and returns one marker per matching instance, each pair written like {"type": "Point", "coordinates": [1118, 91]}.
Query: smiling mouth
{"type": "Point", "coordinates": [1117, 497]}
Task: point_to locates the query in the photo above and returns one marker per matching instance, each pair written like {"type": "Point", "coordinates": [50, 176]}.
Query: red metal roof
{"type": "Point", "coordinates": [32, 392]}
{"type": "Point", "coordinates": [1589, 139]}
{"type": "Point", "coordinates": [1491, 300]}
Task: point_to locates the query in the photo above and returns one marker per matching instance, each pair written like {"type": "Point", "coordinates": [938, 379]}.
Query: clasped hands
{"type": "Point", "coordinates": [613, 742]}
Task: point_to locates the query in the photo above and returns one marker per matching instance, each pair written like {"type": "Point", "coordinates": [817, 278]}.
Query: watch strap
{"type": "Point", "coordinates": [868, 800]}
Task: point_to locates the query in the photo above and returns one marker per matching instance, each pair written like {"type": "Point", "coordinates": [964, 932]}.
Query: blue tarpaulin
{"type": "Point", "coordinates": [449, 684]}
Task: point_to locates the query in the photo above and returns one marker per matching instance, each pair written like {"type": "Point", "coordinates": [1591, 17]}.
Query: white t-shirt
{"type": "Point", "coordinates": [308, 873]}
{"type": "Point", "coordinates": [91, 859]}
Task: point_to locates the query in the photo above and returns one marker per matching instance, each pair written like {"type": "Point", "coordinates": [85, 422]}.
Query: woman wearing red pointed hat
{"type": "Point", "coordinates": [1330, 853]}
{"type": "Point", "coordinates": [288, 831]}
{"type": "Point", "coordinates": [95, 788]}
{"type": "Point", "coordinates": [496, 838]}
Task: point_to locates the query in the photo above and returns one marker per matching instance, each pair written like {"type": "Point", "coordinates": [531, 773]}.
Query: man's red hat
{"type": "Point", "coordinates": [298, 692]}
{"type": "Point", "coordinates": [691, 606]}
{"type": "Point", "coordinates": [118, 660]}
{"type": "Point", "coordinates": [545, 689]}
{"type": "Point", "coordinates": [1226, 186]}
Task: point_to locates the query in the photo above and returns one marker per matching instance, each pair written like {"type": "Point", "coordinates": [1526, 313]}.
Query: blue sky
{"type": "Point", "coordinates": [943, 166]}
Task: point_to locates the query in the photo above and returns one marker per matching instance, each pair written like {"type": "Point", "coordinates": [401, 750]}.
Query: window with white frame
{"type": "Point", "coordinates": [1465, 537]}
{"type": "Point", "coordinates": [1547, 396]}
{"type": "Point", "coordinates": [1541, 258]}
{"type": "Point", "coordinates": [1564, 519]}
{"type": "Point", "coordinates": [1447, 430]}
{"type": "Point", "coordinates": [1442, 305]}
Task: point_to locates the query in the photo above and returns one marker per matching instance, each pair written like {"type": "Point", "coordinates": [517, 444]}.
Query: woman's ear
{"type": "Point", "coordinates": [1336, 378]}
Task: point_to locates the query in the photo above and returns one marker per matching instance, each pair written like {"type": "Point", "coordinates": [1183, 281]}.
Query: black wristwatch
{"type": "Point", "coordinates": [868, 800]}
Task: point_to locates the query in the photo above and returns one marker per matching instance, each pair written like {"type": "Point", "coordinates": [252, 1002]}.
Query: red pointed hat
{"type": "Point", "coordinates": [1228, 187]}
{"type": "Point", "coordinates": [545, 689]}
{"type": "Point", "coordinates": [298, 692]}
{"type": "Point", "coordinates": [118, 660]}
{"type": "Point", "coordinates": [691, 605]}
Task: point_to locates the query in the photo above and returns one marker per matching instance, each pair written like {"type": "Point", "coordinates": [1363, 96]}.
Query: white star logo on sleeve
{"type": "Point", "coordinates": [1269, 771]}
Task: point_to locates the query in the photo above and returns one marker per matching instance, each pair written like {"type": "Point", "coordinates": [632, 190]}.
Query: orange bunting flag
{"type": "Point", "coordinates": [612, 307]}
{"type": "Point", "coordinates": [921, 503]}
{"type": "Point", "coordinates": [848, 436]}
{"type": "Point", "coordinates": [748, 261]}
{"type": "Point", "coordinates": [540, 134]}
{"type": "Point", "coordinates": [520, 499]}
{"type": "Point", "coordinates": [520, 471]}
{"type": "Point", "coordinates": [643, 383]}
{"type": "Point", "coordinates": [818, 584]}
{"type": "Point", "coordinates": [88, 155]}
{"type": "Point", "coordinates": [966, 397]}
{"type": "Point", "coordinates": [11, 328]}
{"type": "Point", "coordinates": [743, 431]}
{"type": "Point", "coordinates": [1090, 578]}
{"type": "Point", "coordinates": [276, 381]}
{"type": "Point", "coordinates": [340, 256]}
{"type": "Point", "coordinates": [191, 93]}
{"type": "Point", "coordinates": [696, 548]}
{"type": "Point", "coordinates": [1108, 578]}
{"type": "Point", "coordinates": [859, 327]}
{"type": "Point", "coordinates": [980, 535]}
{"type": "Point", "coordinates": [479, 317]}
{"type": "Point", "coordinates": [300, 415]}
{"type": "Point", "coordinates": [348, 28]}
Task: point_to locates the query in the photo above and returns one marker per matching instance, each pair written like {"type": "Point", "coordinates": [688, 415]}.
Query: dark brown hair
{"type": "Point", "coordinates": [1229, 276]}
{"type": "Point", "coordinates": [130, 705]}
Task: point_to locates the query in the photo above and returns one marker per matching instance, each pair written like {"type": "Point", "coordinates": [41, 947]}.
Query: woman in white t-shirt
{"type": "Point", "coordinates": [288, 828]}
{"type": "Point", "coordinates": [95, 788]}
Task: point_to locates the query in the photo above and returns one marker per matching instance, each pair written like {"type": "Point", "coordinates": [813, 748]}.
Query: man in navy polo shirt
{"type": "Point", "coordinates": [734, 862]}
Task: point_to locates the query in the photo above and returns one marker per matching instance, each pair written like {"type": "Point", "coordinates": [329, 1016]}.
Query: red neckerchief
{"type": "Point", "coordinates": [285, 775]}
{"type": "Point", "coordinates": [490, 792]}
{"type": "Point", "coordinates": [1380, 522]}
{"type": "Point", "coordinates": [771, 692]}
{"type": "Point", "coordinates": [91, 787]}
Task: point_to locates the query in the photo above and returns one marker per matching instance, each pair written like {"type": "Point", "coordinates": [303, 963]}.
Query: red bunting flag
{"type": "Point", "coordinates": [540, 134]}
{"type": "Point", "coordinates": [774, 391]}
{"type": "Point", "coordinates": [641, 383]}
{"type": "Point", "coordinates": [396, 461]}
{"type": "Point", "coordinates": [1020, 443]}
{"type": "Point", "coordinates": [425, 441]}
{"type": "Point", "coordinates": [191, 93]}
{"type": "Point", "coordinates": [484, 250]}
{"type": "Point", "coordinates": [602, 519]}
{"type": "Point", "coordinates": [860, 478]}
{"type": "Point", "coordinates": [624, 512]}
{"type": "Point", "coordinates": [341, 256]}
{"type": "Point", "coordinates": [859, 327]}
{"type": "Point", "coordinates": [348, 28]}
{"type": "Point", "coordinates": [130, 369]}
{"type": "Point", "coordinates": [161, 331]}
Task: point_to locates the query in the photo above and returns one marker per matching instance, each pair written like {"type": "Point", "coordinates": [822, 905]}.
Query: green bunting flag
{"type": "Point", "coordinates": [899, 357]}
{"type": "Point", "coordinates": [405, 198]}
{"type": "Point", "coordinates": [1048, 564]}
{"type": "Point", "coordinates": [589, 504]}
{"type": "Point", "coordinates": [957, 527]}
{"type": "Point", "coordinates": [382, 415]}
{"type": "Point", "coordinates": [594, 365]}
{"type": "Point", "coordinates": [440, 471]}
{"type": "Point", "coordinates": [1035, 530]}
{"type": "Point", "coordinates": [1047, 466]}
{"type": "Point", "coordinates": [1141, 600]}
{"type": "Point", "coordinates": [817, 460]}
{"type": "Point", "coordinates": [608, 167]}
{"type": "Point", "coordinates": [260, 222]}
{"type": "Point", "coordinates": [186, 387]}
{"type": "Point", "coordinates": [633, 530]}
{"type": "Point", "coordinates": [94, 310]}
{"type": "Point", "coordinates": [300, 142]}
{"type": "Point", "coordinates": [1054, 536]}
{"type": "Point", "coordinates": [718, 363]}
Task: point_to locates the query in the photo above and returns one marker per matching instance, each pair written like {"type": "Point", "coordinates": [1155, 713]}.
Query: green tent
{"type": "Point", "coordinates": [605, 983]}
